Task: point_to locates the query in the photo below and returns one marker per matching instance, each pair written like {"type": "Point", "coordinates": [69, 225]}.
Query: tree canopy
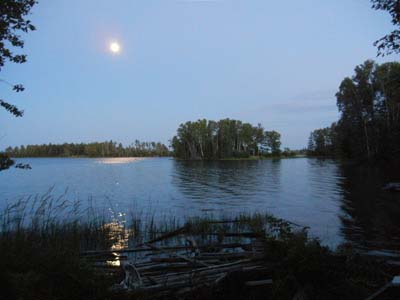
{"type": "Point", "coordinates": [369, 124]}
{"type": "Point", "coordinates": [273, 142]}
{"type": "Point", "coordinates": [227, 138]}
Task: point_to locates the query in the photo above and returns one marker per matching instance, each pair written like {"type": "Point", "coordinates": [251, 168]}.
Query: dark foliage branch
{"type": "Point", "coordinates": [13, 23]}
{"type": "Point", "coordinates": [390, 43]}
{"type": "Point", "coordinates": [11, 108]}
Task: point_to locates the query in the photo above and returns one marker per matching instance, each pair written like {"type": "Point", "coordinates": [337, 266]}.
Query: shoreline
{"type": "Point", "coordinates": [248, 256]}
{"type": "Point", "coordinates": [175, 158]}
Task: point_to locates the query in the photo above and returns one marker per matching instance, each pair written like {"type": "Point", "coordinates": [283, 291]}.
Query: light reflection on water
{"type": "Point", "coordinates": [119, 236]}
{"type": "Point", "coordinates": [118, 160]}
{"type": "Point", "coordinates": [339, 203]}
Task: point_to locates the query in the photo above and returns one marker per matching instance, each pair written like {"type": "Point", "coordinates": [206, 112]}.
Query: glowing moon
{"type": "Point", "coordinates": [115, 47]}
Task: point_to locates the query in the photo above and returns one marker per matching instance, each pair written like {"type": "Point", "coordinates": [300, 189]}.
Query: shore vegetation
{"type": "Point", "coordinates": [369, 124]}
{"type": "Point", "coordinates": [52, 248]}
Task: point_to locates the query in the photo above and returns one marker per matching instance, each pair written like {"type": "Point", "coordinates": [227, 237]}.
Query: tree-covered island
{"type": "Point", "coordinates": [225, 139]}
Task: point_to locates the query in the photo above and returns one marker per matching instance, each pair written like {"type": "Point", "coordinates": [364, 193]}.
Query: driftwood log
{"type": "Point", "coordinates": [179, 269]}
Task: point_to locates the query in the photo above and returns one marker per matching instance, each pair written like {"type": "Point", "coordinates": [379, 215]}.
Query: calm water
{"type": "Point", "coordinates": [339, 203]}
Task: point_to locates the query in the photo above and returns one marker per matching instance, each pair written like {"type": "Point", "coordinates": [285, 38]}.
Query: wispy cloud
{"type": "Point", "coordinates": [313, 102]}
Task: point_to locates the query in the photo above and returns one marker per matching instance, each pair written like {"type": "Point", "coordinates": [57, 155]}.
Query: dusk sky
{"type": "Point", "coordinates": [278, 63]}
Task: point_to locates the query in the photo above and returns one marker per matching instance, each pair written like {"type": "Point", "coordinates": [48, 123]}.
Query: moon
{"type": "Point", "coordinates": [115, 47]}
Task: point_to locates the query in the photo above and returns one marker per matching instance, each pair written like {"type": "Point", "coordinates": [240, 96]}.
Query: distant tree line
{"type": "Point", "coordinates": [321, 142]}
{"type": "Point", "coordinates": [227, 138]}
{"type": "Point", "coordinates": [102, 149]}
{"type": "Point", "coordinates": [369, 123]}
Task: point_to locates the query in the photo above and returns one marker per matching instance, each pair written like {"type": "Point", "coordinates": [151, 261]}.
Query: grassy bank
{"type": "Point", "coordinates": [42, 240]}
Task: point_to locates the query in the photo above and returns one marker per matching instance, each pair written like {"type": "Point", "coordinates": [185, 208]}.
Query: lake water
{"type": "Point", "coordinates": [339, 203]}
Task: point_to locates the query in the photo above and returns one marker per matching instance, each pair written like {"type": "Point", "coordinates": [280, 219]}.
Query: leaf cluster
{"type": "Point", "coordinates": [390, 43]}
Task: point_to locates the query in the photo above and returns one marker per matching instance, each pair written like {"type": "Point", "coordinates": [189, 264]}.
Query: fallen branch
{"type": "Point", "coordinates": [170, 248]}
{"type": "Point", "coordinates": [259, 282]}
{"type": "Point", "coordinates": [194, 262]}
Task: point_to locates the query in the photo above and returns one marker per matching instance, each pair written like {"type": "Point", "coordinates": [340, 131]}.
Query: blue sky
{"type": "Point", "coordinates": [278, 63]}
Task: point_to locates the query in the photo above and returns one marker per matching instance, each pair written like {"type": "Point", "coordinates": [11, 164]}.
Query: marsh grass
{"type": "Point", "coordinates": [42, 238]}
{"type": "Point", "coordinates": [40, 241]}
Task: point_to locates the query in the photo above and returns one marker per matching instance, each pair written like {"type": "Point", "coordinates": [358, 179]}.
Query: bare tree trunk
{"type": "Point", "coordinates": [201, 149]}
{"type": "Point", "coordinates": [367, 140]}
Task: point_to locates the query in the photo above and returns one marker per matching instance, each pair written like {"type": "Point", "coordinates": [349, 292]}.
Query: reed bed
{"type": "Point", "coordinates": [55, 248]}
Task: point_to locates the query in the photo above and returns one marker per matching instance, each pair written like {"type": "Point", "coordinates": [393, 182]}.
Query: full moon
{"type": "Point", "coordinates": [115, 47]}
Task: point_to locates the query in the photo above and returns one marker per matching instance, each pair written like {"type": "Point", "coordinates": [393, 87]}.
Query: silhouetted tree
{"type": "Point", "coordinates": [227, 138]}
{"type": "Point", "coordinates": [13, 22]}
{"type": "Point", "coordinates": [390, 43]}
{"type": "Point", "coordinates": [369, 124]}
